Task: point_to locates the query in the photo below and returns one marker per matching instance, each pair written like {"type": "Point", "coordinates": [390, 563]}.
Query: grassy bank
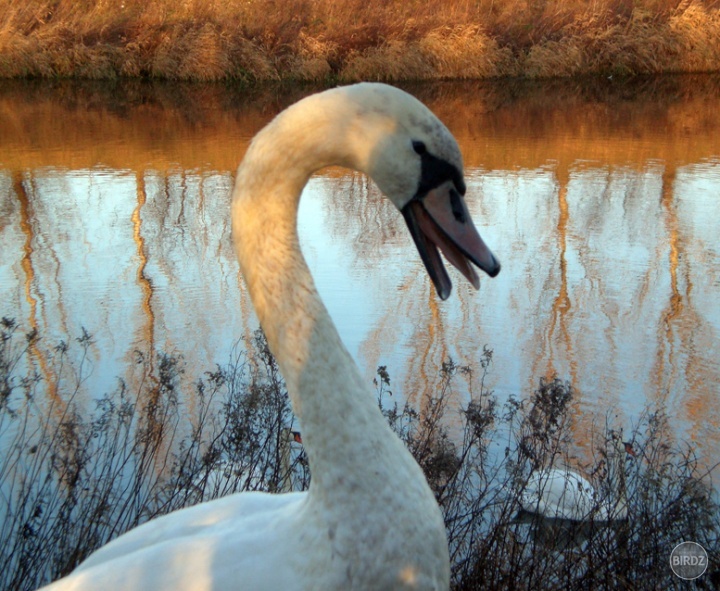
{"type": "Point", "coordinates": [73, 477]}
{"type": "Point", "coordinates": [356, 39]}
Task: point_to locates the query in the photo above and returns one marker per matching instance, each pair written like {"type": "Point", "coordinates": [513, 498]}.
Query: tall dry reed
{"type": "Point", "coordinates": [352, 39]}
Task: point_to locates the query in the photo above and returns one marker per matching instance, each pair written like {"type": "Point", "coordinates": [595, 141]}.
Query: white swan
{"type": "Point", "coordinates": [369, 520]}
{"type": "Point", "coordinates": [226, 476]}
{"type": "Point", "coordinates": [560, 494]}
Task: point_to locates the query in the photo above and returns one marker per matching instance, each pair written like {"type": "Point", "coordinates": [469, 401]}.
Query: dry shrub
{"type": "Point", "coordinates": [460, 52]}
{"type": "Point", "coordinates": [393, 61]}
{"type": "Point", "coordinates": [355, 39]}
{"type": "Point", "coordinates": [166, 58]}
{"type": "Point", "coordinates": [207, 56]}
{"type": "Point", "coordinates": [644, 43]}
{"type": "Point", "coordinates": [697, 34]}
{"type": "Point", "coordinates": [94, 64]}
{"type": "Point", "coordinates": [466, 52]}
{"type": "Point", "coordinates": [19, 57]}
{"type": "Point", "coordinates": [131, 62]}
{"type": "Point", "coordinates": [639, 46]}
{"type": "Point", "coordinates": [250, 62]}
{"type": "Point", "coordinates": [74, 477]}
{"type": "Point", "coordinates": [555, 58]}
{"type": "Point", "coordinates": [313, 59]}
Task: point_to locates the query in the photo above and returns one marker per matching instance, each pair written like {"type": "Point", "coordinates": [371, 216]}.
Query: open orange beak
{"type": "Point", "coordinates": [440, 220]}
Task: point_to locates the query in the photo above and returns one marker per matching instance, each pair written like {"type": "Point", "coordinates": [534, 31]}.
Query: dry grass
{"type": "Point", "coordinates": [72, 480]}
{"type": "Point", "coordinates": [355, 39]}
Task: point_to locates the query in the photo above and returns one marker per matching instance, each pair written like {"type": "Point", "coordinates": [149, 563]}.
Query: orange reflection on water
{"type": "Point", "coordinates": [609, 263]}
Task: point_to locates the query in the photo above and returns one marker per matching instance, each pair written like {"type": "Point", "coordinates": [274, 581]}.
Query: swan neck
{"type": "Point", "coordinates": [269, 183]}
{"type": "Point", "coordinates": [341, 425]}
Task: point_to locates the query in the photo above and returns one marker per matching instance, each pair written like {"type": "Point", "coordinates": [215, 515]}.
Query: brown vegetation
{"type": "Point", "coordinates": [355, 39]}
{"type": "Point", "coordinates": [73, 480]}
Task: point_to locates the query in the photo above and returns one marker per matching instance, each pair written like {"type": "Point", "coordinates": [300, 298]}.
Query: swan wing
{"type": "Point", "coordinates": [193, 522]}
{"type": "Point", "coordinates": [210, 547]}
{"type": "Point", "coordinates": [559, 494]}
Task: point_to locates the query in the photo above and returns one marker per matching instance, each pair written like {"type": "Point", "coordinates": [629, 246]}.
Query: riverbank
{"type": "Point", "coordinates": [256, 40]}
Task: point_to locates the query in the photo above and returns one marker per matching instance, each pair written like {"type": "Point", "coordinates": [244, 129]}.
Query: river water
{"type": "Point", "coordinates": [600, 198]}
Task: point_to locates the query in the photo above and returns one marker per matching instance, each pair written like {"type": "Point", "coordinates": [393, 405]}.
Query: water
{"type": "Point", "coordinates": [600, 199]}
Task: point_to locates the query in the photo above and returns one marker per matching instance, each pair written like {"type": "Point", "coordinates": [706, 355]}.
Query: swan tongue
{"type": "Point", "coordinates": [441, 220]}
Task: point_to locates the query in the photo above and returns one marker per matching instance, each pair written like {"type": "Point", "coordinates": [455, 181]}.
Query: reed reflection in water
{"type": "Point", "coordinates": [600, 200]}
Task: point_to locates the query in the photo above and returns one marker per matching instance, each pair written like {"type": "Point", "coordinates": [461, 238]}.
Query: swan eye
{"type": "Point", "coordinates": [457, 206]}
{"type": "Point", "coordinates": [419, 147]}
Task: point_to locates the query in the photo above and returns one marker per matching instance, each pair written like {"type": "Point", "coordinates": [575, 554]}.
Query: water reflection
{"type": "Point", "coordinates": [600, 200]}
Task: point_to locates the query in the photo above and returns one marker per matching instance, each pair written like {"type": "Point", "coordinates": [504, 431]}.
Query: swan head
{"type": "Point", "coordinates": [398, 142]}
{"type": "Point", "coordinates": [416, 162]}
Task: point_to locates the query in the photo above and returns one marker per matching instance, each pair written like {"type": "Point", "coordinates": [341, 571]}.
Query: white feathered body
{"type": "Point", "coordinates": [254, 541]}
{"type": "Point", "coordinates": [559, 494]}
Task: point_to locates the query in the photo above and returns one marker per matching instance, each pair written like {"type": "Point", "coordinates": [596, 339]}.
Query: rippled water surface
{"type": "Point", "coordinates": [601, 200]}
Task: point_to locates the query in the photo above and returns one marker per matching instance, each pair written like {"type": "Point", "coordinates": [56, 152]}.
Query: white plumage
{"type": "Point", "coordinates": [559, 493]}
{"type": "Point", "coordinates": [369, 520]}
{"type": "Point", "coordinates": [226, 476]}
